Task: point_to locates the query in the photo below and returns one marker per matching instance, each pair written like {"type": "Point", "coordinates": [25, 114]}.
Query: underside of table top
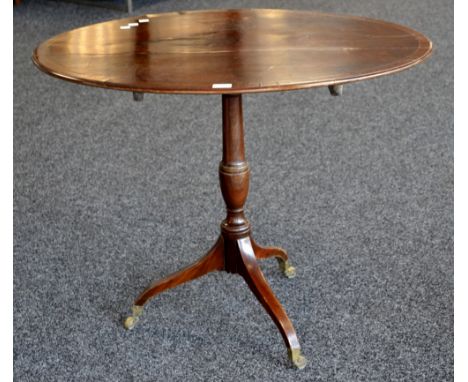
{"type": "Point", "coordinates": [231, 51]}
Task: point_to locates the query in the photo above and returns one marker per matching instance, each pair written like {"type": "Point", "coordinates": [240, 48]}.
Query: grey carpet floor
{"type": "Point", "coordinates": [110, 194]}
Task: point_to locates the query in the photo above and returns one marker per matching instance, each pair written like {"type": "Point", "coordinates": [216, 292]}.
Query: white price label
{"type": "Point", "coordinates": [221, 86]}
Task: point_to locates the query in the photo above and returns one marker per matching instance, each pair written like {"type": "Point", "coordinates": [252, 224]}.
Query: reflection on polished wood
{"type": "Point", "coordinates": [253, 50]}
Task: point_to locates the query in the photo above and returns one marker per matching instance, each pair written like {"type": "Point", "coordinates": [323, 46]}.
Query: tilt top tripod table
{"type": "Point", "coordinates": [231, 52]}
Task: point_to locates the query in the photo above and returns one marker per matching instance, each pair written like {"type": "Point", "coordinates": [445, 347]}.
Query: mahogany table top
{"type": "Point", "coordinates": [231, 51]}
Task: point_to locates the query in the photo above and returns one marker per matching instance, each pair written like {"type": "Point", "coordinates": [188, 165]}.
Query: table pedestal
{"type": "Point", "coordinates": [235, 251]}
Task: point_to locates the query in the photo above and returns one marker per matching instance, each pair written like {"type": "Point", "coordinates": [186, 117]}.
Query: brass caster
{"type": "Point", "coordinates": [288, 270]}
{"type": "Point", "coordinates": [132, 320]}
{"type": "Point", "coordinates": [298, 360]}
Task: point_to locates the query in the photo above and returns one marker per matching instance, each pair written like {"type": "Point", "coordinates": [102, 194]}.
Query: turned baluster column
{"type": "Point", "coordinates": [234, 178]}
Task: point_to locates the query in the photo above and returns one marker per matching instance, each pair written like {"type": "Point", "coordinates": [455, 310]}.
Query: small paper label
{"type": "Point", "coordinates": [125, 27]}
{"type": "Point", "coordinates": [221, 86]}
{"type": "Point", "coordinates": [143, 20]}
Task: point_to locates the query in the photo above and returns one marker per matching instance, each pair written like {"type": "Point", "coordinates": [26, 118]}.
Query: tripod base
{"type": "Point", "coordinates": [234, 255]}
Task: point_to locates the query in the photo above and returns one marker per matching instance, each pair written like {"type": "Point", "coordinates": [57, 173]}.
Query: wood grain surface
{"type": "Point", "coordinates": [231, 51]}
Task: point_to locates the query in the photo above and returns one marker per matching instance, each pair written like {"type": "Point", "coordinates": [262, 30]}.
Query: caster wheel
{"type": "Point", "coordinates": [288, 270]}
{"type": "Point", "coordinates": [297, 359]}
{"type": "Point", "coordinates": [131, 321]}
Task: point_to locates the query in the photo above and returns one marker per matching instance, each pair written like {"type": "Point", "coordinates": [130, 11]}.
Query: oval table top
{"type": "Point", "coordinates": [231, 51]}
